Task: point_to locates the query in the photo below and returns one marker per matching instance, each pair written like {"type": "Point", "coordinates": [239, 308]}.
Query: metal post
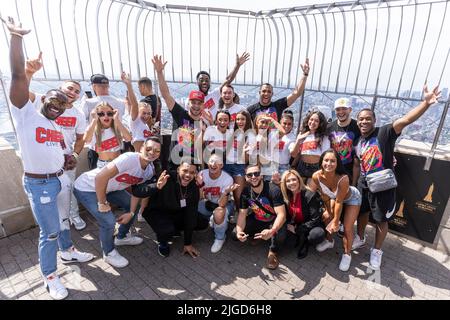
{"type": "Point", "coordinates": [7, 103]}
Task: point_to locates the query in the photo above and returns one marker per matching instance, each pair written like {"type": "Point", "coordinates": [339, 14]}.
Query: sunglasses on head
{"type": "Point", "coordinates": [253, 174]}
{"type": "Point", "coordinates": [102, 114]}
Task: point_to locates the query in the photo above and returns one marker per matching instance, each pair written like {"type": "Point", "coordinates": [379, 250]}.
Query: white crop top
{"type": "Point", "coordinates": [310, 145]}
{"type": "Point", "coordinates": [110, 143]}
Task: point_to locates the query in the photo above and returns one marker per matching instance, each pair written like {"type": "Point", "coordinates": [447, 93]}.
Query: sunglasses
{"type": "Point", "coordinates": [102, 114]}
{"type": "Point", "coordinates": [253, 174]}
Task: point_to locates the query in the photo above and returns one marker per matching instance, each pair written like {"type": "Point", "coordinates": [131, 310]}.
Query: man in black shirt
{"type": "Point", "coordinates": [146, 90]}
{"type": "Point", "coordinates": [173, 207]}
{"type": "Point", "coordinates": [188, 127]}
{"type": "Point", "coordinates": [275, 109]}
{"type": "Point", "coordinates": [375, 152]}
{"type": "Point", "coordinates": [268, 214]}
{"type": "Point", "coordinates": [343, 134]}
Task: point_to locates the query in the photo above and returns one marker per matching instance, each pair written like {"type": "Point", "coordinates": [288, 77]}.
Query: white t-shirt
{"type": "Point", "coordinates": [139, 130]}
{"type": "Point", "coordinates": [110, 143]}
{"type": "Point", "coordinates": [233, 110]}
{"type": "Point", "coordinates": [268, 149]}
{"type": "Point", "coordinates": [39, 139]}
{"type": "Point", "coordinates": [89, 104]}
{"type": "Point", "coordinates": [72, 122]}
{"type": "Point", "coordinates": [236, 154]}
{"type": "Point", "coordinates": [130, 173]}
{"type": "Point", "coordinates": [213, 189]}
{"type": "Point", "coordinates": [216, 140]}
{"type": "Point", "coordinates": [284, 147]}
{"type": "Point", "coordinates": [310, 145]}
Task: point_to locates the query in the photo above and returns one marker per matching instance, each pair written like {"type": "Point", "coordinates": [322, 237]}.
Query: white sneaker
{"type": "Point", "coordinates": [54, 287]}
{"type": "Point", "coordinates": [115, 259]}
{"type": "Point", "coordinates": [73, 255]}
{"type": "Point", "coordinates": [140, 218]}
{"type": "Point", "coordinates": [129, 240]}
{"type": "Point", "coordinates": [217, 245]}
{"type": "Point", "coordinates": [375, 258]}
{"type": "Point", "coordinates": [324, 245]}
{"type": "Point", "coordinates": [345, 262]}
{"type": "Point", "coordinates": [78, 223]}
{"type": "Point", "coordinates": [358, 242]}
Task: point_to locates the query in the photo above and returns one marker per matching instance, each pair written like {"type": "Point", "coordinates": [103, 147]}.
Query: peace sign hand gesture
{"type": "Point", "coordinates": [162, 180]}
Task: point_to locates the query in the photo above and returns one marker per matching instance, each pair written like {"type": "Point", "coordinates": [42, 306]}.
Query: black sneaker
{"type": "Point", "coordinates": [341, 230]}
{"type": "Point", "coordinates": [163, 249]}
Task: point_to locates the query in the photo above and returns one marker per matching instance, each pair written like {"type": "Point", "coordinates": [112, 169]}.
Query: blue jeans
{"type": "Point", "coordinates": [42, 194]}
{"type": "Point", "coordinates": [106, 220]}
{"type": "Point", "coordinates": [219, 229]}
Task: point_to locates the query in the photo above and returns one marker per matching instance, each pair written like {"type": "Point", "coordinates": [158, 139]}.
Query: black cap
{"type": "Point", "coordinates": [99, 79]}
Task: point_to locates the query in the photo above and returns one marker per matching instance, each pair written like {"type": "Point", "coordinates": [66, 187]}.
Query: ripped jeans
{"type": "Point", "coordinates": [42, 194]}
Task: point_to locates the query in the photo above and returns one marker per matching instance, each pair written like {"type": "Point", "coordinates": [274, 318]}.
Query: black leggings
{"type": "Point", "coordinates": [253, 226]}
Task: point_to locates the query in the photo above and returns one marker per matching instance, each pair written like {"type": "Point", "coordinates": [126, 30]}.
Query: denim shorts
{"type": "Point", "coordinates": [235, 169]}
{"type": "Point", "coordinates": [355, 197]}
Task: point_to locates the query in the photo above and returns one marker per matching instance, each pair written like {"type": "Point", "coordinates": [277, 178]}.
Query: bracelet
{"type": "Point", "coordinates": [76, 155]}
{"type": "Point", "coordinates": [305, 74]}
{"type": "Point", "coordinates": [102, 203]}
{"type": "Point", "coordinates": [16, 34]}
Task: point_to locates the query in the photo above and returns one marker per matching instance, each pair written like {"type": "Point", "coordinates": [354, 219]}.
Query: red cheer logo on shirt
{"type": "Point", "coordinates": [107, 145]}
{"type": "Point", "coordinates": [310, 145]}
{"type": "Point", "coordinates": [209, 104]}
{"type": "Point", "coordinates": [213, 191]}
{"type": "Point", "coordinates": [43, 135]}
{"type": "Point", "coordinates": [68, 122]}
{"type": "Point", "coordinates": [128, 179]}
{"type": "Point", "coordinates": [281, 145]}
{"type": "Point", "coordinates": [147, 134]}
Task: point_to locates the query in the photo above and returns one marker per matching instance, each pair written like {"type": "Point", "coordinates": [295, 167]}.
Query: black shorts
{"type": "Point", "coordinates": [380, 204]}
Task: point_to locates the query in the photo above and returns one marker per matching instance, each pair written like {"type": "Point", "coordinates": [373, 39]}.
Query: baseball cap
{"type": "Point", "coordinates": [197, 95]}
{"type": "Point", "coordinates": [342, 103]}
{"type": "Point", "coordinates": [99, 79]}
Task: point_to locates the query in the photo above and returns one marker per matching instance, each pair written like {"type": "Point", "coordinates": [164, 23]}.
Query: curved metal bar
{"type": "Point", "coordinates": [324, 47]}
{"type": "Point", "coordinates": [53, 43]}
{"type": "Point", "coordinates": [190, 41]}
{"type": "Point", "coordinates": [342, 49]}
{"type": "Point", "coordinates": [298, 59]}
{"type": "Point", "coordinates": [118, 36]}
{"type": "Point", "coordinates": [64, 39]}
{"type": "Point", "coordinates": [144, 43]}
{"type": "Point", "coordinates": [37, 38]}
{"type": "Point", "coordinates": [292, 52]}
{"type": "Point", "coordinates": [98, 39]}
{"type": "Point", "coordinates": [228, 44]}
{"type": "Point", "coordinates": [200, 43]}
{"type": "Point", "coordinates": [437, 41]}
{"type": "Point", "coordinates": [373, 50]}
{"type": "Point", "coordinates": [407, 52]}
{"type": "Point", "coordinates": [270, 50]}
{"type": "Point", "coordinates": [87, 35]}
{"type": "Point", "coordinates": [128, 41]}
{"type": "Point", "coordinates": [171, 44]}
{"type": "Point", "coordinates": [363, 47]}
{"type": "Point", "coordinates": [108, 37]}
{"type": "Point", "coordinates": [181, 33]}
{"type": "Point", "coordinates": [332, 50]}
{"type": "Point", "coordinates": [284, 51]}
{"type": "Point", "coordinates": [246, 47]}
{"type": "Point", "coordinates": [18, 17]}
{"type": "Point", "coordinates": [253, 59]}
{"type": "Point", "coordinates": [136, 42]}
{"type": "Point", "coordinates": [315, 47]}
{"type": "Point", "coordinates": [237, 35]}
{"type": "Point", "coordinates": [307, 41]}
{"type": "Point", "coordinates": [162, 35]}
{"type": "Point", "coordinates": [396, 50]}
{"type": "Point", "coordinates": [385, 45]}
{"type": "Point", "coordinates": [421, 49]}
{"type": "Point", "coordinates": [277, 50]}
{"type": "Point", "coordinates": [209, 42]}
{"type": "Point", "coordinates": [445, 65]}
{"type": "Point", "coordinates": [351, 51]}
{"type": "Point", "coordinates": [218, 47]}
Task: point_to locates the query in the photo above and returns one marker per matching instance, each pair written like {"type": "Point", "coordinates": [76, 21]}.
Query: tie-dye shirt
{"type": "Point", "coordinates": [269, 198]}
{"type": "Point", "coordinates": [343, 140]}
{"type": "Point", "coordinates": [376, 152]}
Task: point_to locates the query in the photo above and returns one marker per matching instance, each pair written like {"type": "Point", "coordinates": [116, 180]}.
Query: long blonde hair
{"type": "Point", "coordinates": [288, 195]}
{"type": "Point", "coordinates": [98, 126]}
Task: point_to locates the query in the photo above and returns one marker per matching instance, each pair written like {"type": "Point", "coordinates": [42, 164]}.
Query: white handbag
{"type": "Point", "coordinates": [381, 180]}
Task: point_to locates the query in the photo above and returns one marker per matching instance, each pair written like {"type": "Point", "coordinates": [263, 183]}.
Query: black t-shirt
{"type": "Point", "coordinates": [152, 101]}
{"type": "Point", "coordinates": [186, 130]}
{"type": "Point", "coordinates": [376, 152]}
{"type": "Point", "coordinates": [343, 140]}
{"type": "Point", "coordinates": [269, 198]}
{"type": "Point", "coordinates": [275, 109]}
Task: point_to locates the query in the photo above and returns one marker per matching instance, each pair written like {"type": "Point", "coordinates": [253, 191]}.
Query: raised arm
{"type": "Point", "coordinates": [163, 87]}
{"type": "Point", "coordinates": [429, 98]}
{"type": "Point", "coordinates": [298, 91]}
{"type": "Point", "coordinates": [133, 103]}
{"type": "Point", "coordinates": [18, 92]}
{"type": "Point", "coordinates": [32, 66]}
{"type": "Point", "coordinates": [239, 62]}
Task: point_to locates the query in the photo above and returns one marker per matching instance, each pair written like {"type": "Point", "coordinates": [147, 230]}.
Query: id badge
{"type": "Point", "coordinates": [183, 203]}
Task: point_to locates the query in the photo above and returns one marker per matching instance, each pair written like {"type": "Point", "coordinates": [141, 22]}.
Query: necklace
{"type": "Point", "coordinates": [183, 195]}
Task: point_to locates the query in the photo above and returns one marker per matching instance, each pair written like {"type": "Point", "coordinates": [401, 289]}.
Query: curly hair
{"type": "Point", "coordinates": [321, 130]}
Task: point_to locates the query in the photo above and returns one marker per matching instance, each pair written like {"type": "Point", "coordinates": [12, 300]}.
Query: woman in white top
{"type": "Point", "coordinates": [106, 133]}
{"type": "Point", "coordinates": [311, 143]}
{"type": "Point", "coordinates": [338, 195]}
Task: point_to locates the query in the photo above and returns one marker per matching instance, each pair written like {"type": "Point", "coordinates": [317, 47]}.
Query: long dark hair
{"type": "Point", "coordinates": [339, 166]}
{"type": "Point", "coordinates": [248, 120]}
{"type": "Point", "coordinates": [321, 130]}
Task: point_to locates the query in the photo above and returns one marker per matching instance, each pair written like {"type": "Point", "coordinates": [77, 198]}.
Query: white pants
{"type": "Point", "coordinates": [66, 201]}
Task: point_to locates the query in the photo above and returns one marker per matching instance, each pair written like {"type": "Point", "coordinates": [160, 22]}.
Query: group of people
{"type": "Point", "coordinates": [227, 162]}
